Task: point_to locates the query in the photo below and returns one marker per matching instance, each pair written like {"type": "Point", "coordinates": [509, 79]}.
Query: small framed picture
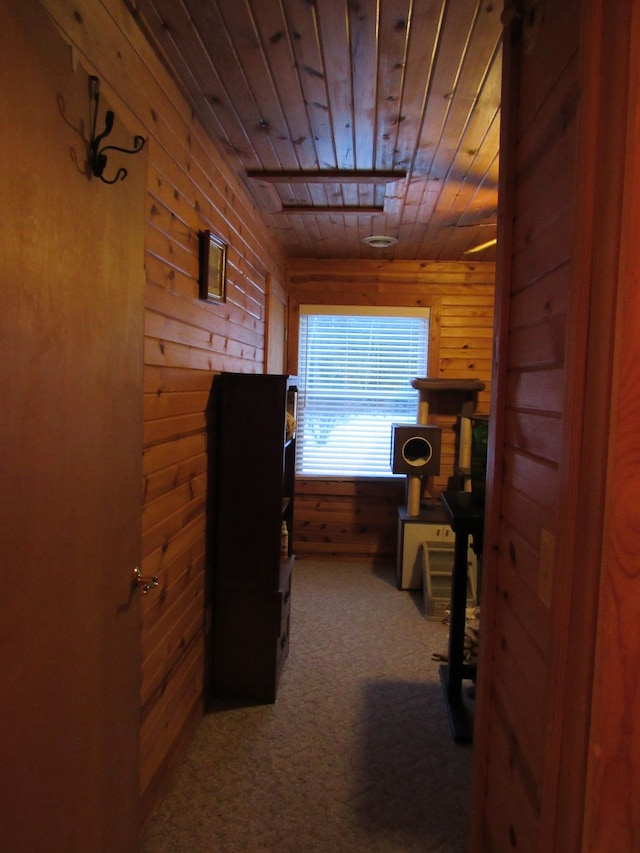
{"type": "Point", "coordinates": [213, 267]}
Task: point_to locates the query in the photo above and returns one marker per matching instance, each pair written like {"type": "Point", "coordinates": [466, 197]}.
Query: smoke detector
{"type": "Point", "coordinates": [379, 241]}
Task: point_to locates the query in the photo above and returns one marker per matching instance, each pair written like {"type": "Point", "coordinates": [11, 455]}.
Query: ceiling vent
{"type": "Point", "coordinates": [379, 241]}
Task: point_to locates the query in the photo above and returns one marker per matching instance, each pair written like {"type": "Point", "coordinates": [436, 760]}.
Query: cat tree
{"type": "Point", "coordinates": [445, 397]}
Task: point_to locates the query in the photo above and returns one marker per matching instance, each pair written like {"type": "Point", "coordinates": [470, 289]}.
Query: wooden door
{"type": "Point", "coordinates": [72, 277]}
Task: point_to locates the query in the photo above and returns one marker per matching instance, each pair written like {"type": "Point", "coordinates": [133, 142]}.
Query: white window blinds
{"type": "Point", "coordinates": [354, 371]}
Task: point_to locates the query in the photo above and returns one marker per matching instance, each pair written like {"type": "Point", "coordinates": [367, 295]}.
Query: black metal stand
{"type": "Point", "coordinates": [466, 519]}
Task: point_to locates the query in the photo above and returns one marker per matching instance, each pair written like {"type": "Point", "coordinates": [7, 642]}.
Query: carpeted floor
{"type": "Point", "coordinates": [356, 755]}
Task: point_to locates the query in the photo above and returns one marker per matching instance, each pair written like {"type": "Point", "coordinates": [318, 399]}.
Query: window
{"type": "Point", "coordinates": [355, 367]}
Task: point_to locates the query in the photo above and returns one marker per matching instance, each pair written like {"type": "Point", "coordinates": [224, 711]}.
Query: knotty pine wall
{"type": "Point", "coordinates": [186, 342]}
{"type": "Point", "coordinates": [556, 747]}
{"type": "Point", "coordinates": [525, 503]}
{"type": "Point", "coordinates": [357, 517]}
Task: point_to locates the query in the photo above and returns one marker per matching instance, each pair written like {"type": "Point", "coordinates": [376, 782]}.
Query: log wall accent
{"type": "Point", "coordinates": [187, 341]}
{"type": "Point", "coordinates": [358, 516]}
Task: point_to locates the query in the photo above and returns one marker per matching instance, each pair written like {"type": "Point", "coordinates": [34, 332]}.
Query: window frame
{"type": "Point", "coordinates": [342, 305]}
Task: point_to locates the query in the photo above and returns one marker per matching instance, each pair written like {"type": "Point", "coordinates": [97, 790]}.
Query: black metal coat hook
{"type": "Point", "coordinates": [97, 155]}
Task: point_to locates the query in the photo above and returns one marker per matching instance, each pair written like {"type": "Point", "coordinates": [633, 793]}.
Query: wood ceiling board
{"type": "Point", "coordinates": [472, 74]}
{"type": "Point", "coordinates": [417, 74]}
{"type": "Point", "coordinates": [465, 141]}
{"type": "Point", "coordinates": [291, 85]}
{"type": "Point", "coordinates": [197, 75]}
{"type": "Point", "coordinates": [392, 46]}
{"type": "Point", "coordinates": [461, 200]}
{"type": "Point", "coordinates": [337, 210]}
{"type": "Point", "coordinates": [233, 84]}
{"type": "Point", "coordinates": [479, 141]}
{"type": "Point", "coordinates": [276, 43]}
{"type": "Point", "coordinates": [333, 35]}
{"type": "Point", "coordinates": [302, 24]}
{"type": "Point", "coordinates": [173, 57]}
{"type": "Point", "coordinates": [450, 52]}
{"type": "Point", "coordinates": [364, 74]}
{"type": "Point", "coordinates": [328, 176]}
{"type": "Point", "coordinates": [262, 111]}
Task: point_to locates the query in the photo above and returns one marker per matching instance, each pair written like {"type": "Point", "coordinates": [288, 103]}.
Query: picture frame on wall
{"type": "Point", "coordinates": [213, 267]}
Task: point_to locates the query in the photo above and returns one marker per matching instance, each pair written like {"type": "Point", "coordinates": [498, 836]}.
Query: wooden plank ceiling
{"type": "Point", "coordinates": [349, 118]}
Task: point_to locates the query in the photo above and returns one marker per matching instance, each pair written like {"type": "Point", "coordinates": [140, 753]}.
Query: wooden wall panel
{"type": "Point", "coordinates": [333, 517]}
{"type": "Point", "coordinates": [554, 470]}
{"type": "Point", "coordinates": [512, 813]}
{"type": "Point", "coordinates": [534, 279]}
{"type": "Point", "coordinates": [347, 518]}
{"type": "Point", "coordinates": [186, 343]}
{"type": "Point", "coordinates": [611, 818]}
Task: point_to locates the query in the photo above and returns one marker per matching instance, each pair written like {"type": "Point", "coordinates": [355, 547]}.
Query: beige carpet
{"type": "Point", "coordinates": [356, 755]}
